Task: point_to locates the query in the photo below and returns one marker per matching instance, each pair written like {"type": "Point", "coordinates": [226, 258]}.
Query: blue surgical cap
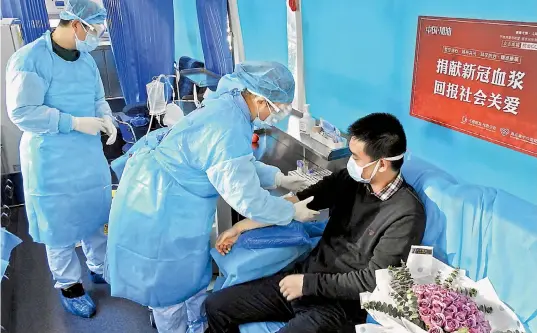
{"type": "Point", "coordinates": [271, 80]}
{"type": "Point", "coordinates": [87, 10]}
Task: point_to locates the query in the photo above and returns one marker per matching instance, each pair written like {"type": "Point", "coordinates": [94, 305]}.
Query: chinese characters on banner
{"type": "Point", "coordinates": [478, 77]}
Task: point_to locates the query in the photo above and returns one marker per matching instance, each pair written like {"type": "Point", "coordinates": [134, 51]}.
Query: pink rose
{"type": "Point", "coordinates": [450, 311]}
{"type": "Point", "coordinates": [439, 300]}
{"type": "Point", "coordinates": [471, 321]}
{"type": "Point", "coordinates": [475, 330]}
{"type": "Point", "coordinates": [453, 308]}
{"type": "Point", "coordinates": [448, 300]}
{"type": "Point", "coordinates": [473, 308]}
{"type": "Point", "coordinates": [438, 306]}
{"type": "Point", "coordinates": [425, 311]}
{"type": "Point", "coordinates": [424, 303]}
{"type": "Point", "coordinates": [454, 295]}
{"type": "Point", "coordinates": [425, 315]}
{"type": "Point", "coordinates": [436, 329]}
{"type": "Point", "coordinates": [452, 325]}
{"type": "Point", "coordinates": [461, 316]}
{"type": "Point", "coordinates": [466, 309]}
{"type": "Point", "coordinates": [427, 294]}
{"type": "Point", "coordinates": [438, 319]}
{"type": "Point", "coordinates": [458, 304]}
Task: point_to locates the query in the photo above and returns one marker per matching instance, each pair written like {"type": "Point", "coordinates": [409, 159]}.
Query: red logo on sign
{"type": "Point", "coordinates": [478, 77]}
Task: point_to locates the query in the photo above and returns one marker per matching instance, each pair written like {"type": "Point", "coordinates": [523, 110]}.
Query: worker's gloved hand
{"type": "Point", "coordinates": [110, 130]}
{"type": "Point", "coordinates": [303, 213]}
{"type": "Point", "coordinates": [88, 125]}
{"type": "Point", "coordinates": [293, 183]}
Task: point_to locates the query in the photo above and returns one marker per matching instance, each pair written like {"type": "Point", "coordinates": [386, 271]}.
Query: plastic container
{"type": "Point", "coordinates": [317, 135]}
{"type": "Point", "coordinates": [306, 122]}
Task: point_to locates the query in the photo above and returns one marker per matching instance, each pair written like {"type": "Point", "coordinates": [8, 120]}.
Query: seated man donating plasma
{"type": "Point", "coordinates": [375, 218]}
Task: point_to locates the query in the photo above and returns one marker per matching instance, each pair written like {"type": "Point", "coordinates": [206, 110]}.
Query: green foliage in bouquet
{"type": "Point", "coordinates": [403, 295]}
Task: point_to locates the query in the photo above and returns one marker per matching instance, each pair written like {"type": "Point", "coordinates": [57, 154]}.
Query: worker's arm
{"type": "Point", "coordinates": [393, 247]}
{"type": "Point", "coordinates": [25, 100]}
{"type": "Point", "coordinates": [237, 182]}
{"type": "Point", "coordinates": [101, 105]}
{"type": "Point", "coordinates": [267, 174]}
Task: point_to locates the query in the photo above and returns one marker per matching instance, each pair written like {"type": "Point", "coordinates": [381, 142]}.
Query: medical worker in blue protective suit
{"type": "Point", "coordinates": [55, 95]}
{"type": "Point", "coordinates": [164, 209]}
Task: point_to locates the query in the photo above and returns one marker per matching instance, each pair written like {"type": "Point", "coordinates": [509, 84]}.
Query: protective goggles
{"type": "Point", "coordinates": [97, 29]}
{"type": "Point", "coordinates": [283, 108]}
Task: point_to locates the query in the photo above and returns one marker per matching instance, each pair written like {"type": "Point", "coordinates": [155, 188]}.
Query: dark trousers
{"type": "Point", "coordinates": [261, 301]}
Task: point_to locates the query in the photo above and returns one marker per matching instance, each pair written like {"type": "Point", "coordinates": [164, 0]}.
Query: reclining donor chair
{"type": "Point", "coordinates": [483, 230]}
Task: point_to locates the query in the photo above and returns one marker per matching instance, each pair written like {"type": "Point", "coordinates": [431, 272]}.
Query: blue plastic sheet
{"type": "Point", "coordinates": [274, 237]}
{"type": "Point", "coordinates": [293, 234]}
{"type": "Point", "coordinates": [266, 251]}
{"type": "Point", "coordinates": [8, 242]}
{"type": "Point", "coordinates": [243, 265]}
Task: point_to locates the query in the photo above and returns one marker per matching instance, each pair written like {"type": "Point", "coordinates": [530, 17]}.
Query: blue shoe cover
{"type": "Point", "coordinates": [97, 278]}
{"type": "Point", "coordinates": [82, 306]}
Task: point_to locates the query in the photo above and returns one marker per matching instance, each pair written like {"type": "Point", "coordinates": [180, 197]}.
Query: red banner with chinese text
{"type": "Point", "coordinates": [478, 77]}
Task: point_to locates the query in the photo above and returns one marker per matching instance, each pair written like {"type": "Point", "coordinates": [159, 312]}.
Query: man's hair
{"type": "Point", "coordinates": [67, 23]}
{"type": "Point", "coordinates": [383, 136]}
{"type": "Point", "coordinates": [64, 23]}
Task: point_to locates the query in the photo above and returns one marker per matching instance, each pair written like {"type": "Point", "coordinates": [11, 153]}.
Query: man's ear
{"type": "Point", "coordinates": [259, 101]}
{"type": "Point", "coordinates": [384, 165]}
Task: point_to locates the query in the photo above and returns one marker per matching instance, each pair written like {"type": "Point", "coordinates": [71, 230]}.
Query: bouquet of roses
{"type": "Point", "coordinates": [426, 295]}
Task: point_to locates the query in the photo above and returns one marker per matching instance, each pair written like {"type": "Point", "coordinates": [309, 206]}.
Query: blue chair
{"type": "Point", "coordinates": [193, 80]}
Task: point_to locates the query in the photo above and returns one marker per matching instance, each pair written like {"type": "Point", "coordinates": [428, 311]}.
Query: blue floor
{"type": "Point", "coordinates": [35, 305]}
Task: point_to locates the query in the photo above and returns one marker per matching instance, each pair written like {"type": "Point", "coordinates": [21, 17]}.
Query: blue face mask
{"type": "Point", "coordinates": [260, 124]}
{"type": "Point", "coordinates": [89, 44]}
{"type": "Point", "coordinates": [275, 116]}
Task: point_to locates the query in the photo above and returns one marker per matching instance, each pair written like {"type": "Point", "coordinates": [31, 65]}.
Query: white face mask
{"type": "Point", "coordinates": [356, 171]}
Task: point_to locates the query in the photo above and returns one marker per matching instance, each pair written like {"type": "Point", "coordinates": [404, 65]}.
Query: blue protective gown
{"type": "Point", "coordinates": [65, 173]}
{"type": "Point", "coordinates": [164, 209]}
